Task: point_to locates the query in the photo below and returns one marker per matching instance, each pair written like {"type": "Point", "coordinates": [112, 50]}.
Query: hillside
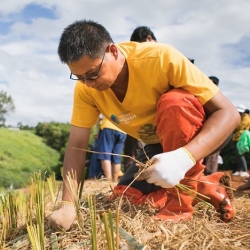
{"type": "Point", "coordinates": [22, 153]}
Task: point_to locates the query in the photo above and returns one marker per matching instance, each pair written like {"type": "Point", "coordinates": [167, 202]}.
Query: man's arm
{"type": "Point", "coordinates": [62, 219]}
{"type": "Point", "coordinates": [222, 120]}
{"type": "Point", "coordinates": [75, 159]}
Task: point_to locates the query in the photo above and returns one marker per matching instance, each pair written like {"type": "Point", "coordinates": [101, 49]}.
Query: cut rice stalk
{"type": "Point", "coordinates": [93, 219]}
{"type": "Point", "coordinates": [211, 183]}
{"type": "Point", "coordinates": [143, 166]}
{"type": "Point", "coordinates": [95, 152]}
{"type": "Point", "coordinates": [70, 182]}
{"type": "Point", "coordinates": [107, 229]}
{"type": "Point", "coordinates": [193, 194]}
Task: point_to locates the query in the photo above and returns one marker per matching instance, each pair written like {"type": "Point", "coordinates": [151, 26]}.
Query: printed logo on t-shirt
{"type": "Point", "coordinates": [127, 117]}
{"type": "Point", "coordinates": [147, 133]}
{"type": "Point", "coordinates": [114, 119]}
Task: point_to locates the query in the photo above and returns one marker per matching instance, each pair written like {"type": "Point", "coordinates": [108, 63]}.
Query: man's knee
{"type": "Point", "coordinates": [179, 118]}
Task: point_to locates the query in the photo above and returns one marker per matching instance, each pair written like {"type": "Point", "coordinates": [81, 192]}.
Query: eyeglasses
{"type": "Point", "coordinates": [91, 77]}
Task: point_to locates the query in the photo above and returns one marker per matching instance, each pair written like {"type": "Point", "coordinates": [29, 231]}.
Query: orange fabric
{"type": "Point", "coordinates": [132, 194]}
{"type": "Point", "coordinates": [179, 118]}
{"type": "Point", "coordinates": [156, 199]}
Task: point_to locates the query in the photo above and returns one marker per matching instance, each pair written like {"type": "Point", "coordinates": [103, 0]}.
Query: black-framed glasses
{"type": "Point", "coordinates": [91, 77]}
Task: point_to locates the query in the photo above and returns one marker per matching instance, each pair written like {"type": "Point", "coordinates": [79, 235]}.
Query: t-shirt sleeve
{"type": "Point", "coordinates": [184, 74]}
{"type": "Point", "coordinates": [85, 113]}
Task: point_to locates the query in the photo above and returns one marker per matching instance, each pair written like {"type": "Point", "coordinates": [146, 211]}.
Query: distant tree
{"type": "Point", "coordinates": [19, 125]}
{"type": "Point", "coordinates": [24, 127]}
{"type": "Point", "coordinates": [41, 128]}
{"type": "Point", "coordinates": [54, 134]}
{"type": "Point", "coordinates": [6, 106]}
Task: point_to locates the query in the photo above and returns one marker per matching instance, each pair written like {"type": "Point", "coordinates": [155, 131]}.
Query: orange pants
{"type": "Point", "coordinates": [179, 118]}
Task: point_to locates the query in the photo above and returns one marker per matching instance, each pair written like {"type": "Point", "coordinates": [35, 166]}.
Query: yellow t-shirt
{"type": "Point", "coordinates": [154, 68]}
{"type": "Point", "coordinates": [105, 123]}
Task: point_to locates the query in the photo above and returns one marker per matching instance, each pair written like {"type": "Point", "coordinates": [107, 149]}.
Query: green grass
{"type": "Point", "coordinates": [21, 154]}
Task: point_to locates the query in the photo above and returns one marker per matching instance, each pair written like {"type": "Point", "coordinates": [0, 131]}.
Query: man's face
{"type": "Point", "coordinates": [97, 73]}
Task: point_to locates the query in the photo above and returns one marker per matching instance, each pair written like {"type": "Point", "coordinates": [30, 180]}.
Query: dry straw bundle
{"type": "Point", "coordinates": [117, 224]}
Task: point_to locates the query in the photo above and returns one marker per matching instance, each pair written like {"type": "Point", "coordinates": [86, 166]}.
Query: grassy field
{"type": "Point", "coordinates": [22, 153]}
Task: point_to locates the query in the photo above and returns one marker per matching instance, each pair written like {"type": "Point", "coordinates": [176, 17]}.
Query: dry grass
{"type": "Point", "coordinates": [203, 231]}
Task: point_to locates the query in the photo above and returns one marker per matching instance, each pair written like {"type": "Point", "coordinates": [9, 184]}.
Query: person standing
{"type": "Point", "coordinates": [111, 140]}
{"type": "Point", "coordinates": [95, 167]}
{"type": "Point", "coordinates": [244, 125]}
{"type": "Point", "coordinates": [211, 161]}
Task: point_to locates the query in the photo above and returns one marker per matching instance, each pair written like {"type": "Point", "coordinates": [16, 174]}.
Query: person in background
{"type": "Point", "coordinates": [247, 184]}
{"type": "Point", "coordinates": [111, 140]}
{"type": "Point", "coordinates": [143, 34]}
{"type": "Point", "coordinates": [95, 167]}
{"type": "Point", "coordinates": [154, 93]}
{"type": "Point", "coordinates": [96, 164]}
{"type": "Point", "coordinates": [211, 161]}
{"type": "Point", "coordinates": [245, 124]}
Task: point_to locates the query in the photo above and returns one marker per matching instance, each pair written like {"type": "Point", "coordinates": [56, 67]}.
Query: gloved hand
{"type": "Point", "coordinates": [63, 218]}
{"type": "Point", "coordinates": [168, 169]}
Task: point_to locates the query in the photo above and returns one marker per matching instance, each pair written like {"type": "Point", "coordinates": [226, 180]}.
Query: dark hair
{"type": "Point", "coordinates": [191, 60]}
{"type": "Point", "coordinates": [140, 34]}
{"type": "Point", "coordinates": [214, 79]}
{"type": "Point", "coordinates": [83, 38]}
{"type": "Point", "coordinates": [246, 111]}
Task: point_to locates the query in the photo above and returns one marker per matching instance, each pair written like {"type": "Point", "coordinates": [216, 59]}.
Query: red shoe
{"type": "Point", "coordinates": [215, 186]}
{"type": "Point", "coordinates": [179, 206]}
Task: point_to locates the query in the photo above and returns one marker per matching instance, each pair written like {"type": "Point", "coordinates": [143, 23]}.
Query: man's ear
{"type": "Point", "coordinates": [113, 50]}
{"type": "Point", "coordinates": [149, 38]}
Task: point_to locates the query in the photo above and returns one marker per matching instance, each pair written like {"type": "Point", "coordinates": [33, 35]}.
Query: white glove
{"type": "Point", "coordinates": [168, 169]}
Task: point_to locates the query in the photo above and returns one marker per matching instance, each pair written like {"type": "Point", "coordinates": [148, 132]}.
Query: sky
{"type": "Point", "coordinates": [216, 34]}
